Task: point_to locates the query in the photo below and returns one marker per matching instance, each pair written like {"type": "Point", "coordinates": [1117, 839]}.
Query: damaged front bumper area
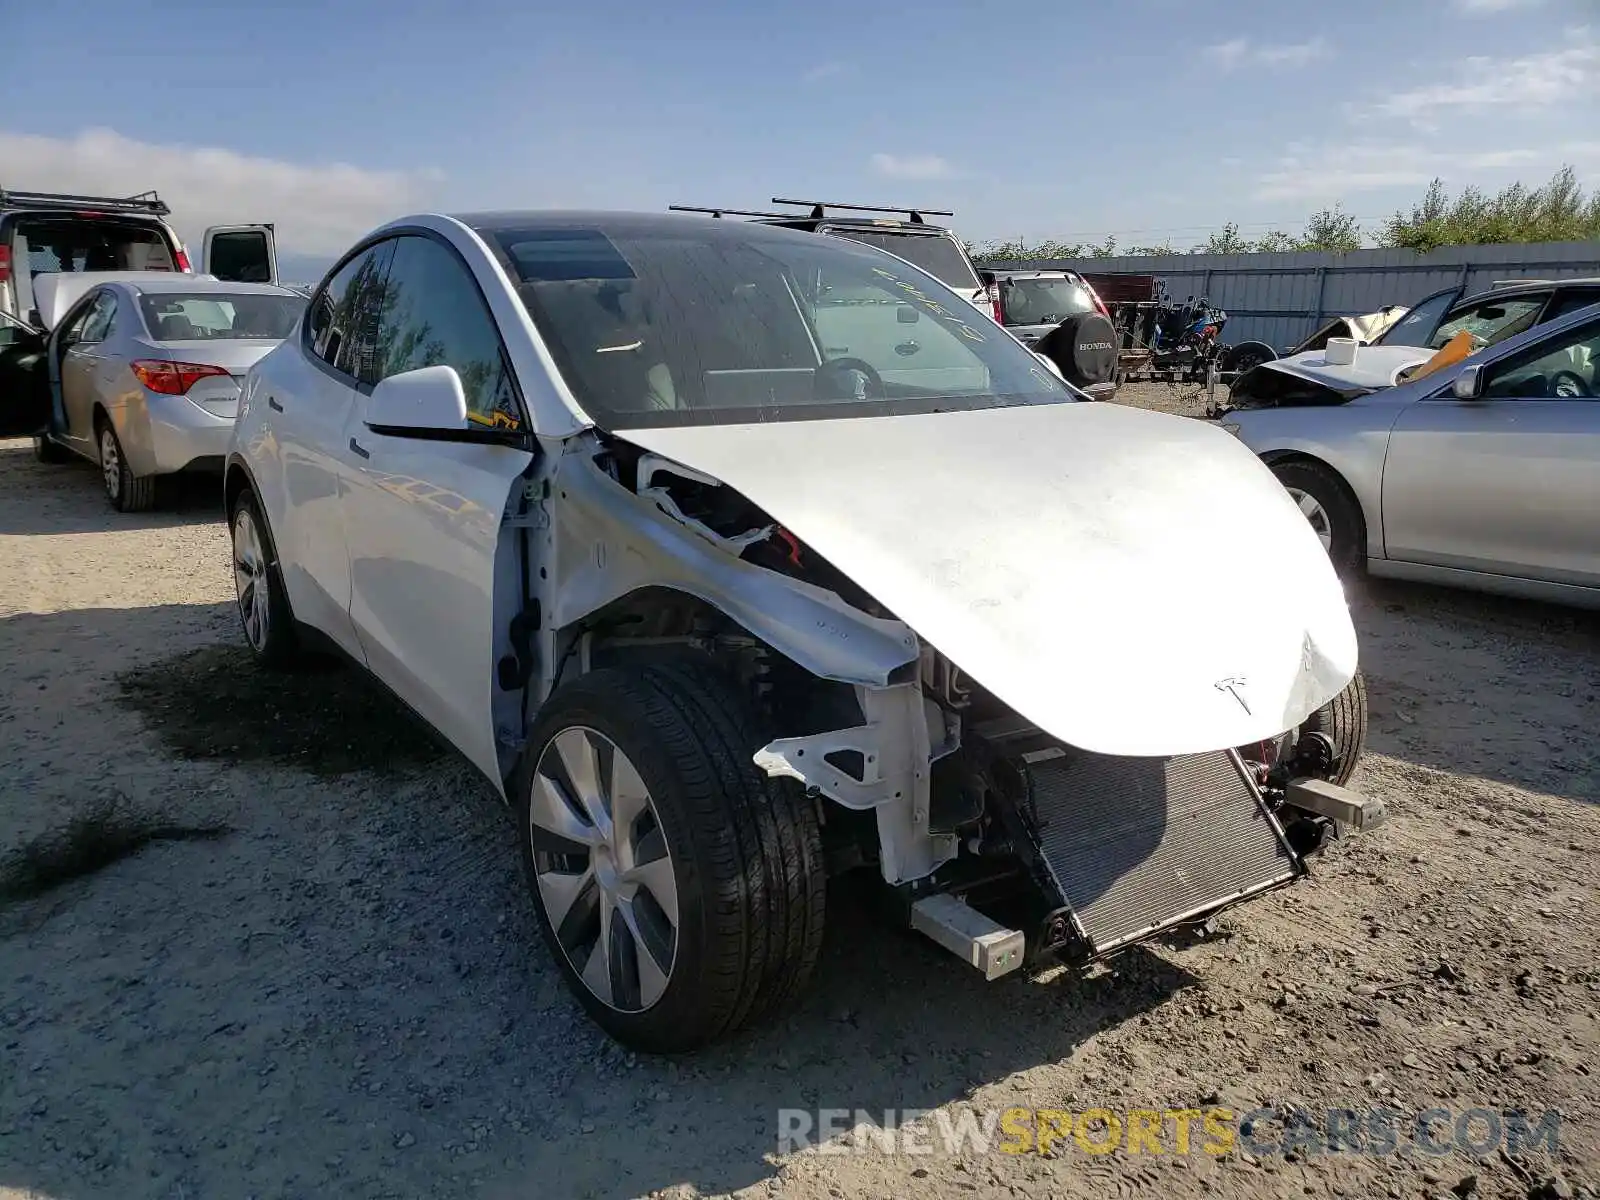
{"type": "Point", "coordinates": [1012, 846]}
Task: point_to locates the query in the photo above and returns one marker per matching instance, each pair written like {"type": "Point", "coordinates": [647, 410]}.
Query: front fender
{"type": "Point", "coordinates": [1348, 439]}
{"type": "Point", "coordinates": [609, 542]}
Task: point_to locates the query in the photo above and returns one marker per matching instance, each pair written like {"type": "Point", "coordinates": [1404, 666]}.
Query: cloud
{"type": "Point", "coordinates": [319, 209]}
{"type": "Point", "coordinates": [1480, 8]}
{"type": "Point", "coordinates": [1531, 83]}
{"type": "Point", "coordinates": [912, 166]}
{"type": "Point", "coordinates": [823, 71]}
{"type": "Point", "coordinates": [1330, 171]}
{"type": "Point", "coordinates": [1239, 52]}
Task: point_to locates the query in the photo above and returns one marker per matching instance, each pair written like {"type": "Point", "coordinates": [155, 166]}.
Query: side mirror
{"type": "Point", "coordinates": [417, 403]}
{"type": "Point", "coordinates": [1469, 384]}
{"type": "Point", "coordinates": [429, 404]}
{"type": "Point", "coordinates": [1050, 363]}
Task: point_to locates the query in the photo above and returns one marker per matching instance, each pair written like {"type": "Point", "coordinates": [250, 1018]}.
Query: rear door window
{"type": "Point", "coordinates": [97, 322]}
{"type": "Point", "coordinates": [342, 329]}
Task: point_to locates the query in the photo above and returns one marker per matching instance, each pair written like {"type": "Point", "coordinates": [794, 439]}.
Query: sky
{"type": "Point", "coordinates": [1154, 120]}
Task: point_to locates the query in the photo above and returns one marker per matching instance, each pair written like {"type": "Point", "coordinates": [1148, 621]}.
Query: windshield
{"type": "Point", "coordinates": [684, 327]}
{"type": "Point", "coordinates": [1045, 301]}
{"type": "Point", "coordinates": [938, 255]}
{"type": "Point", "coordinates": [203, 316]}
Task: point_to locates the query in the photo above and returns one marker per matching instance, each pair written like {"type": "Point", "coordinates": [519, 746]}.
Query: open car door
{"type": "Point", "coordinates": [241, 253]}
{"type": "Point", "coordinates": [24, 385]}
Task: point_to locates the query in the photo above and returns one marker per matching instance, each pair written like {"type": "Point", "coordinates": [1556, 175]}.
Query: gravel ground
{"type": "Point", "coordinates": [344, 992]}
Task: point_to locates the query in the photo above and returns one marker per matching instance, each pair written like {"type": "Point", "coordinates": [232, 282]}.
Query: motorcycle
{"type": "Point", "coordinates": [1183, 339]}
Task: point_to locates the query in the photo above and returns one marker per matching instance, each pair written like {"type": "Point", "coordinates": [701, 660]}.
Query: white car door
{"type": "Point", "coordinates": [241, 253]}
{"type": "Point", "coordinates": [1505, 483]}
{"type": "Point", "coordinates": [423, 517]}
{"type": "Point", "coordinates": [309, 399]}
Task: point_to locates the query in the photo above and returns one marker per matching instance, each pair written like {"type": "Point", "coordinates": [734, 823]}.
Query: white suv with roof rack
{"type": "Point", "coordinates": [54, 232]}
{"type": "Point", "coordinates": [934, 248]}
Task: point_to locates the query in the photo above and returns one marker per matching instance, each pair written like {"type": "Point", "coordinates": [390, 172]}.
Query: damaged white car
{"type": "Point", "coordinates": [737, 558]}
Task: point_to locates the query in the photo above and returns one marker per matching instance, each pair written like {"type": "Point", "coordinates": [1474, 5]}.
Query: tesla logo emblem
{"type": "Point", "coordinates": [1234, 686]}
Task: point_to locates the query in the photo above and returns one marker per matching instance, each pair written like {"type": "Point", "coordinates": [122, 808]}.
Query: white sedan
{"type": "Point", "coordinates": [735, 557]}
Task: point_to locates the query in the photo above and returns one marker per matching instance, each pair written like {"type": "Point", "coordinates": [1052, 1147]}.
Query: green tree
{"type": "Point", "coordinates": [1559, 211]}
{"type": "Point", "coordinates": [1331, 229]}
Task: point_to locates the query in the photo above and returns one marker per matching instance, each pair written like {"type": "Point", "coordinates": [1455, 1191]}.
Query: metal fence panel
{"type": "Point", "coordinates": [1282, 298]}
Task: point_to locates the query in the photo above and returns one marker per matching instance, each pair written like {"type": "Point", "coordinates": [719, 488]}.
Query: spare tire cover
{"type": "Point", "coordinates": [1084, 346]}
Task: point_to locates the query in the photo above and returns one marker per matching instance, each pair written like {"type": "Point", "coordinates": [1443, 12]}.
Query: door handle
{"type": "Point", "coordinates": [357, 448]}
{"type": "Point", "coordinates": [272, 403]}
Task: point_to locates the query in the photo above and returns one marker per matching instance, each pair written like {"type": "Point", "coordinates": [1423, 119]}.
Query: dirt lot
{"type": "Point", "coordinates": [321, 976]}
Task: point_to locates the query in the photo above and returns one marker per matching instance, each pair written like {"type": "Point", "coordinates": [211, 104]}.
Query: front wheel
{"type": "Point", "coordinates": [264, 612]}
{"type": "Point", "coordinates": [679, 888]}
{"type": "Point", "coordinates": [1343, 720]}
{"type": "Point", "coordinates": [1329, 508]}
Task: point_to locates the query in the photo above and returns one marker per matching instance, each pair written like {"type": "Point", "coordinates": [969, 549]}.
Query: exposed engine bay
{"type": "Point", "coordinates": [997, 839]}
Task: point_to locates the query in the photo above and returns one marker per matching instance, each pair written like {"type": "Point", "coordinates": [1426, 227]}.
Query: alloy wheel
{"type": "Point", "coordinates": [1314, 513]}
{"type": "Point", "coordinates": [604, 874]}
{"type": "Point", "coordinates": [110, 462]}
{"type": "Point", "coordinates": [250, 579]}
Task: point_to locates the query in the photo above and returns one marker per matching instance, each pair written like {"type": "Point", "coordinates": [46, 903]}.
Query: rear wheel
{"type": "Point", "coordinates": [264, 611]}
{"type": "Point", "coordinates": [680, 889]}
{"type": "Point", "coordinates": [126, 491]}
{"type": "Point", "coordinates": [1328, 506]}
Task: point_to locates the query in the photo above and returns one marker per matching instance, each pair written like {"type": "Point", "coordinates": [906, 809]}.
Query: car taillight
{"type": "Point", "coordinates": [172, 378]}
{"type": "Point", "coordinates": [183, 260]}
{"type": "Point", "coordinates": [994, 304]}
{"type": "Point", "coordinates": [1099, 304]}
{"type": "Point", "coordinates": [5, 263]}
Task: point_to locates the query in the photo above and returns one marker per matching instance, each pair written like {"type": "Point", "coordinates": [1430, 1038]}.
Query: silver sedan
{"type": "Point", "coordinates": [1484, 474]}
{"type": "Point", "coordinates": [144, 376]}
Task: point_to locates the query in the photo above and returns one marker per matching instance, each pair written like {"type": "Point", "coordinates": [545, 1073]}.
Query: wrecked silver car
{"type": "Point", "coordinates": [738, 558]}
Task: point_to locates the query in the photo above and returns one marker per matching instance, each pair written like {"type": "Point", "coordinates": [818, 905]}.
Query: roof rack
{"type": "Point", "coordinates": [144, 202]}
{"type": "Point", "coordinates": [724, 212]}
{"type": "Point", "coordinates": [818, 208]}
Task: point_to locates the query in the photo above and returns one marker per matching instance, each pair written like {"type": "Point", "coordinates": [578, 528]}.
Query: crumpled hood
{"type": "Point", "coordinates": [1375, 367]}
{"type": "Point", "coordinates": [1132, 583]}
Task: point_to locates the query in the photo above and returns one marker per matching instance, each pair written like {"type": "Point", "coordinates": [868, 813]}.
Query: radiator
{"type": "Point", "coordinates": [1139, 844]}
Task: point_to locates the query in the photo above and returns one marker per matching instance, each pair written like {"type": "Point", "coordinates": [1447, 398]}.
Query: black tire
{"type": "Point", "coordinates": [47, 451]}
{"type": "Point", "coordinates": [1335, 508]}
{"type": "Point", "coordinates": [745, 849]}
{"type": "Point", "coordinates": [278, 647]}
{"type": "Point", "coordinates": [1245, 356]}
{"type": "Point", "coordinates": [127, 492]}
{"type": "Point", "coordinates": [1344, 721]}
